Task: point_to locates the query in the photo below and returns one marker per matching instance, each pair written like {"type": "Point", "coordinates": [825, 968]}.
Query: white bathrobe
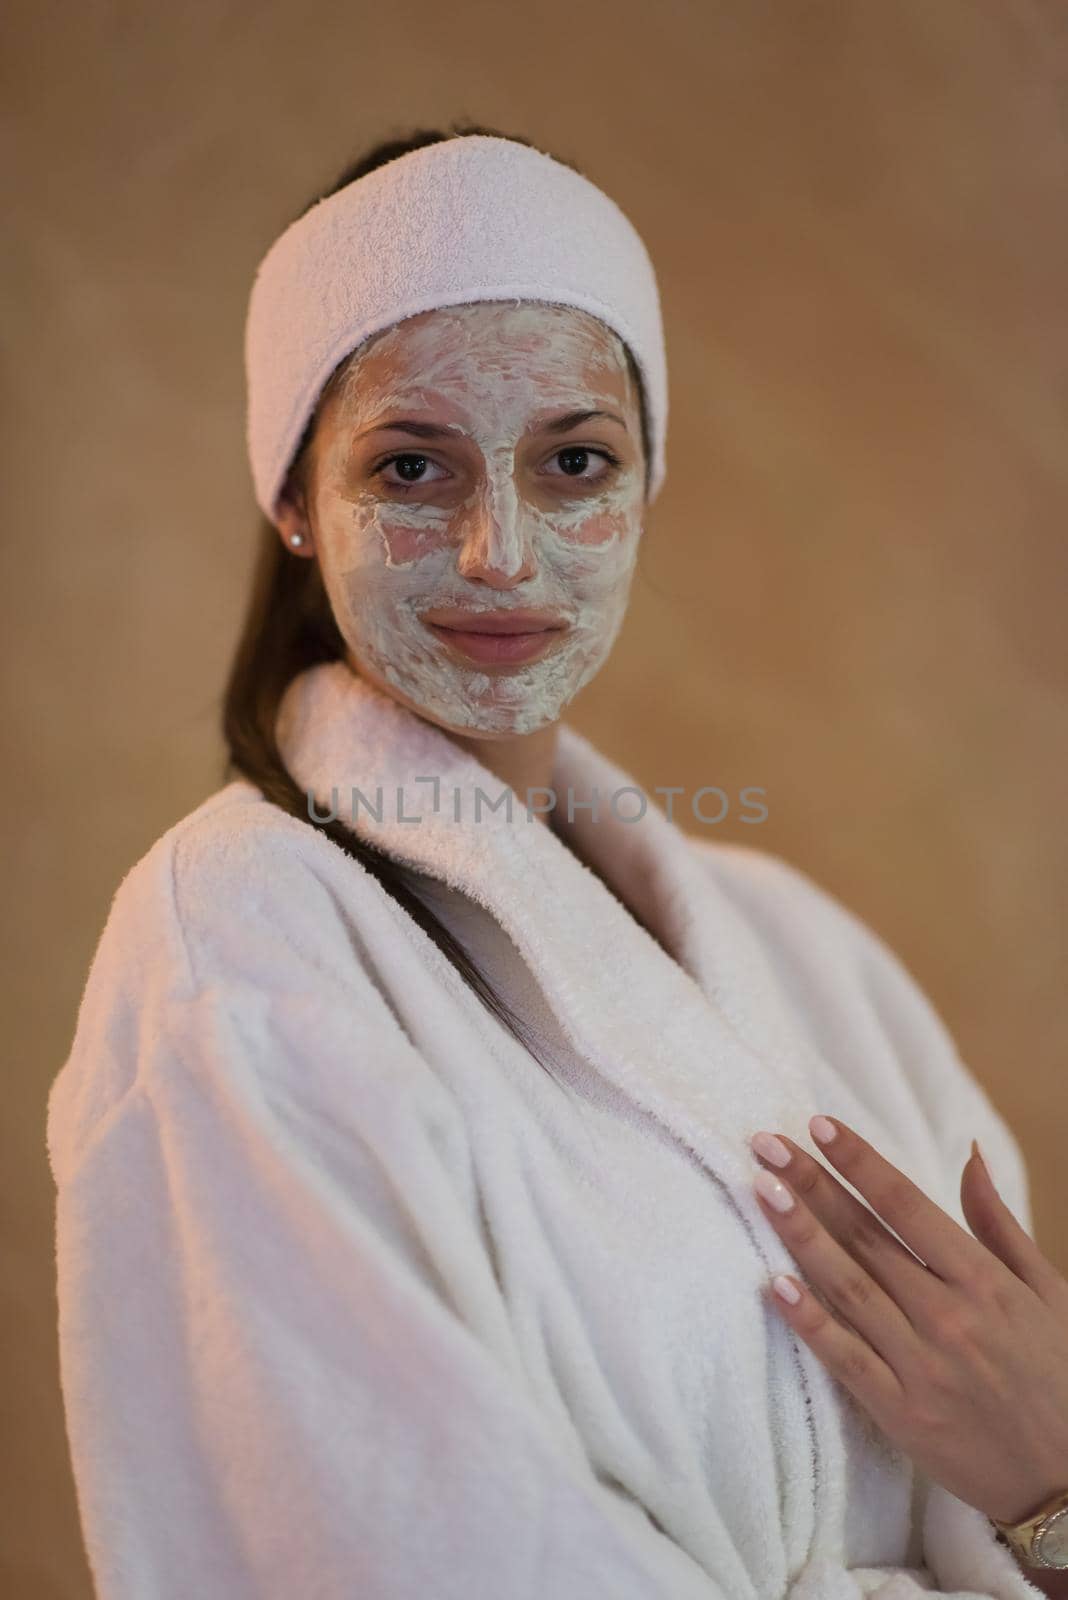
{"type": "Point", "coordinates": [356, 1299]}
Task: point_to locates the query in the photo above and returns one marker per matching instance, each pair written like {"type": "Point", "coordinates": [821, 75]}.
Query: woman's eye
{"type": "Point", "coordinates": [409, 458]}
{"type": "Point", "coordinates": [576, 458]}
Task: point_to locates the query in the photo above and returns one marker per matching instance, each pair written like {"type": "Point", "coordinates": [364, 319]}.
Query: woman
{"type": "Point", "coordinates": [409, 1235]}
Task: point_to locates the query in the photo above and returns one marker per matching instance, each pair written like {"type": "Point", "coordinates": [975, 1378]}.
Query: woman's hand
{"type": "Point", "coordinates": [956, 1346]}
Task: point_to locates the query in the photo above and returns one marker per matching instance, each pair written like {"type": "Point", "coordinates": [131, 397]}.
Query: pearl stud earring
{"type": "Point", "coordinates": [296, 538]}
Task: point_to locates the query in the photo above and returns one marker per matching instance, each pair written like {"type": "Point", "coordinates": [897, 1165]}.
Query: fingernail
{"type": "Point", "coordinates": [822, 1130]}
{"type": "Point", "coordinates": [771, 1148]}
{"type": "Point", "coordinates": [977, 1152]}
{"type": "Point", "coordinates": [774, 1192]}
{"type": "Point", "coordinates": [785, 1289]}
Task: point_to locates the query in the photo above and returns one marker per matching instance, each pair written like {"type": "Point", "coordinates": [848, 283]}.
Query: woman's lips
{"type": "Point", "coordinates": [499, 647]}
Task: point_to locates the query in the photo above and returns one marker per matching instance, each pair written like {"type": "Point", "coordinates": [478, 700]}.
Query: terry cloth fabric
{"type": "Point", "coordinates": [471, 218]}
{"type": "Point", "coordinates": [356, 1298]}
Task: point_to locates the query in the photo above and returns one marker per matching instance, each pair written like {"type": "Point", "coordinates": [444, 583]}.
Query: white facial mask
{"type": "Point", "coordinates": [566, 547]}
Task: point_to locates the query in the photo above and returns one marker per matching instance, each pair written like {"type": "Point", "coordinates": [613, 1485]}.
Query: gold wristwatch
{"type": "Point", "coordinates": [1041, 1539]}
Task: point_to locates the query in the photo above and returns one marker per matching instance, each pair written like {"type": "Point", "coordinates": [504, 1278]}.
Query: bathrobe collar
{"type": "Point", "coordinates": [664, 1033]}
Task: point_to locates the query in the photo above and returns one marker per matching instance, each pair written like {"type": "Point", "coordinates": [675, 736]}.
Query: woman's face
{"type": "Point", "coordinates": [488, 502]}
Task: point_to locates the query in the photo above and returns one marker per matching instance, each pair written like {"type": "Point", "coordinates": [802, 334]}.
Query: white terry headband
{"type": "Point", "coordinates": [469, 218]}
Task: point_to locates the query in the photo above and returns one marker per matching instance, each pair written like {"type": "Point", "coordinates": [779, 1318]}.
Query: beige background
{"type": "Point", "coordinates": [853, 588]}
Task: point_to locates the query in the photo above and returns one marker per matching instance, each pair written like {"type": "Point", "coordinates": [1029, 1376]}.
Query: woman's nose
{"type": "Point", "coordinates": [496, 547]}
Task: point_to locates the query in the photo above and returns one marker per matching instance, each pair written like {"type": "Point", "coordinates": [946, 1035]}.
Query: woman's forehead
{"type": "Point", "coordinates": [513, 339]}
{"type": "Point", "coordinates": [527, 349]}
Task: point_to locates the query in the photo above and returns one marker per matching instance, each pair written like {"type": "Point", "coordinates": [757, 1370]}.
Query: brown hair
{"type": "Point", "coordinates": [289, 625]}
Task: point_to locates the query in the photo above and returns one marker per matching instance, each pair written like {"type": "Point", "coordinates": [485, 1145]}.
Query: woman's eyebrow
{"type": "Point", "coordinates": [420, 430]}
{"type": "Point", "coordinates": [573, 419]}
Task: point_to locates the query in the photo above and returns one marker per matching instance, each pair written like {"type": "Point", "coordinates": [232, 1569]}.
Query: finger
{"type": "Point", "coordinates": [846, 1355]}
{"type": "Point", "coordinates": [931, 1233]}
{"type": "Point", "coordinates": [903, 1276]}
{"type": "Point", "coordinates": [996, 1226]}
{"type": "Point", "coordinates": [845, 1284]}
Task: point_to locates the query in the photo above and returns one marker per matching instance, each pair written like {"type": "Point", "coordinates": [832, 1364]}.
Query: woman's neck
{"type": "Point", "coordinates": [523, 762]}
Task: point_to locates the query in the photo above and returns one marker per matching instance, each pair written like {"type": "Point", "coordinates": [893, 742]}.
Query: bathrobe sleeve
{"type": "Point", "coordinates": [284, 1356]}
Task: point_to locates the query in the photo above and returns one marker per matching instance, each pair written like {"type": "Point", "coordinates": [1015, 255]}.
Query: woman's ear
{"type": "Point", "coordinates": [291, 520]}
